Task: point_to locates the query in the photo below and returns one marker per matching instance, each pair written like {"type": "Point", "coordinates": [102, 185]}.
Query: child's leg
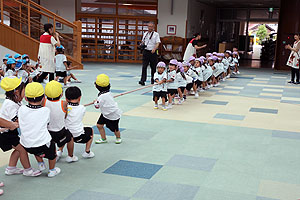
{"type": "Point", "coordinates": [155, 100]}
{"type": "Point", "coordinates": [170, 98]}
{"type": "Point", "coordinates": [65, 80]}
{"type": "Point", "coordinates": [72, 76]}
{"type": "Point", "coordinates": [70, 147]}
{"type": "Point", "coordinates": [56, 78]}
{"type": "Point", "coordinates": [68, 78]}
{"type": "Point", "coordinates": [195, 87]}
{"type": "Point", "coordinates": [23, 156]}
{"type": "Point", "coordinates": [180, 93]}
{"type": "Point", "coordinates": [89, 143]}
{"type": "Point", "coordinates": [102, 131]}
{"type": "Point", "coordinates": [51, 163]}
{"type": "Point", "coordinates": [39, 159]}
{"type": "Point", "coordinates": [14, 157]}
{"type": "Point", "coordinates": [118, 134]}
{"type": "Point", "coordinates": [163, 101]}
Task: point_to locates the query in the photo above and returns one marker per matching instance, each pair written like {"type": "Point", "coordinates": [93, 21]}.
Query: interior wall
{"type": "Point", "coordinates": [178, 18]}
{"type": "Point", "coordinates": [63, 8]}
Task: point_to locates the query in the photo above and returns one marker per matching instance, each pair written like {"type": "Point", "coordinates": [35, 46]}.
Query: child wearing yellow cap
{"type": "Point", "coordinates": [9, 138]}
{"type": "Point", "coordinates": [83, 135]}
{"type": "Point", "coordinates": [56, 127]}
{"type": "Point", "coordinates": [33, 122]}
{"type": "Point", "coordinates": [110, 112]}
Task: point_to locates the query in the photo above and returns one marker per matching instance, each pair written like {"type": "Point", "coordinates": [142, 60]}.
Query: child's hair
{"type": "Point", "coordinates": [60, 50]}
{"type": "Point", "coordinates": [36, 99]}
{"type": "Point", "coordinates": [8, 66]}
{"type": "Point", "coordinates": [47, 27]}
{"type": "Point", "coordinates": [11, 94]}
{"type": "Point", "coordinates": [73, 93]}
{"type": "Point", "coordinates": [103, 89]}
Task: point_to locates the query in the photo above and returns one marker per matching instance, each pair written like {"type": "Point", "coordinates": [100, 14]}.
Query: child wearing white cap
{"type": "Point", "coordinates": [160, 86]}
{"type": "Point", "coordinates": [229, 60]}
{"type": "Point", "coordinates": [235, 63]}
{"type": "Point", "coordinates": [198, 69]}
{"type": "Point", "coordinates": [110, 112]}
{"type": "Point", "coordinates": [172, 83]}
{"type": "Point", "coordinates": [181, 78]}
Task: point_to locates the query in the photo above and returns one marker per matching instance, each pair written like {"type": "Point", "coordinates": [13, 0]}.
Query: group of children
{"type": "Point", "coordinates": [192, 76]}
{"type": "Point", "coordinates": [20, 66]}
{"type": "Point", "coordinates": [47, 121]}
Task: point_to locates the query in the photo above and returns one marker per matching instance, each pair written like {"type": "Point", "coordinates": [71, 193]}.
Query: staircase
{"type": "Point", "coordinates": [22, 24]}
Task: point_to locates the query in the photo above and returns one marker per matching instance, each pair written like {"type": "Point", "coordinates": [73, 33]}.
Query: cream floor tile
{"type": "Point", "coordinates": [272, 90]}
{"type": "Point", "coordinates": [281, 77]}
{"type": "Point", "coordinates": [262, 79]}
{"type": "Point", "coordinates": [263, 85]}
{"type": "Point", "coordinates": [4, 157]}
{"type": "Point", "coordinates": [248, 75]}
{"type": "Point", "coordinates": [278, 190]}
{"type": "Point", "coordinates": [2, 96]}
{"type": "Point", "coordinates": [271, 94]}
{"type": "Point", "coordinates": [234, 87]}
{"type": "Point", "coordinates": [116, 79]}
{"type": "Point", "coordinates": [230, 92]}
{"type": "Point", "coordinates": [125, 73]}
{"type": "Point", "coordinates": [290, 98]}
{"type": "Point", "coordinates": [91, 118]}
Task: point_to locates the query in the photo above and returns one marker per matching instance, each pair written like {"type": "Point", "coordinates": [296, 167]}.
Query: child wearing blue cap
{"type": "Point", "coordinates": [10, 68]}
{"type": "Point", "coordinates": [3, 66]}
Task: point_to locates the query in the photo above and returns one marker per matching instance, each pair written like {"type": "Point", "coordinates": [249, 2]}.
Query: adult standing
{"type": "Point", "coordinates": [46, 54]}
{"type": "Point", "coordinates": [152, 40]}
{"type": "Point", "coordinates": [192, 47]}
{"type": "Point", "coordinates": [294, 59]}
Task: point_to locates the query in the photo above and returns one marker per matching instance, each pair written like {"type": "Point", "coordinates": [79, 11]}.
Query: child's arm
{"type": "Point", "coordinates": [90, 103]}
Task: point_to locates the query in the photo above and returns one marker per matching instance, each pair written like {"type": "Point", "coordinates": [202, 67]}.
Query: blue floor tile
{"type": "Point", "coordinates": [83, 194]}
{"type": "Point", "coordinates": [264, 198]}
{"type": "Point", "coordinates": [192, 162]}
{"type": "Point", "coordinates": [154, 190]}
{"type": "Point", "coordinates": [229, 116]}
{"type": "Point", "coordinates": [222, 103]}
{"type": "Point", "coordinates": [107, 131]}
{"type": "Point", "coordinates": [243, 77]}
{"type": "Point", "coordinates": [286, 134]}
{"type": "Point", "coordinates": [269, 97]}
{"type": "Point", "coordinates": [133, 169]}
{"type": "Point", "coordinates": [148, 94]}
{"type": "Point", "coordinates": [225, 94]}
{"type": "Point", "coordinates": [291, 102]}
{"type": "Point", "coordinates": [127, 76]}
{"type": "Point", "coordinates": [264, 110]}
{"type": "Point", "coordinates": [117, 91]}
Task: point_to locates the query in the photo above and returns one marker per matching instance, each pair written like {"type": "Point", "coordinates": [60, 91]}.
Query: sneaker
{"type": "Point", "coordinates": [173, 101]}
{"type": "Point", "coordinates": [77, 81]}
{"type": "Point", "coordinates": [1, 192]}
{"type": "Point", "coordinates": [155, 106]}
{"type": "Point", "coordinates": [164, 108]}
{"type": "Point", "coordinates": [71, 159]}
{"type": "Point", "coordinates": [32, 172]}
{"type": "Point", "coordinates": [192, 92]}
{"type": "Point", "coordinates": [45, 81]}
{"type": "Point", "coordinates": [42, 166]}
{"type": "Point", "coordinates": [59, 153]}
{"type": "Point", "coordinates": [234, 73]}
{"type": "Point", "coordinates": [88, 155]}
{"type": "Point", "coordinates": [238, 72]}
{"type": "Point", "coordinates": [217, 84]}
{"type": "Point", "coordinates": [118, 140]}
{"type": "Point", "coordinates": [1, 184]}
{"type": "Point", "coordinates": [196, 95]}
{"type": "Point", "coordinates": [53, 172]}
{"type": "Point", "coordinates": [169, 106]}
{"type": "Point", "coordinates": [180, 101]}
{"type": "Point", "coordinates": [101, 141]}
{"type": "Point", "coordinates": [228, 76]}
{"type": "Point", "coordinates": [209, 86]}
{"type": "Point", "coordinates": [13, 171]}
{"type": "Point", "coordinates": [291, 82]}
{"type": "Point", "coordinates": [201, 90]}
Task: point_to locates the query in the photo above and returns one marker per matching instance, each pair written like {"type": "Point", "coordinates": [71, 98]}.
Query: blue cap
{"type": "Point", "coordinates": [17, 56]}
{"type": "Point", "coordinates": [60, 47]}
{"type": "Point", "coordinates": [24, 61]}
{"type": "Point", "coordinates": [19, 64]}
{"type": "Point", "coordinates": [11, 61]}
{"type": "Point", "coordinates": [7, 55]}
{"type": "Point", "coordinates": [24, 56]}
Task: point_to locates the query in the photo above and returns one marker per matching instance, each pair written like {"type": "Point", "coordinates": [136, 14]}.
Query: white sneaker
{"type": "Point", "coordinates": [228, 76]}
{"type": "Point", "coordinates": [169, 106]}
{"type": "Point", "coordinates": [71, 159]}
{"type": "Point", "coordinates": [201, 90]}
{"type": "Point", "coordinates": [180, 101]}
{"type": "Point", "coordinates": [234, 73]}
{"type": "Point", "coordinates": [196, 95]}
{"type": "Point", "coordinates": [77, 81]}
{"type": "Point", "coordinates": [32, 172]}
{"type": "Point", "coordinates": [45, 81]}
{"type": "Point", "coordinates": [238, 72]}
{"type": "Point", "coordinates": [164, 108]}
{"type": "Point", "coordinates": [217, 84]}
{"type": "Point", "coordinates": [192, 92]}
{"type": "Point", "coordinates": [42, 166]}
{"type": "Point", "coordinates": [101, 141]}
{"type": "Point", "coordinates": [209, 86]}
{"type": "Point", "coordinates": [58, 155]}
{"type": "Point", "coordinates": [88, 155]}
{"type": "Point", "coordinates": [155, 106]}
{"type": "Point", "coordinates": [54, 172]}
{"type": "Point", "coordinates": [14, 171]}
{"type": "Point", "coordinates": [118, 141]}
{"type": "Point", "coordinates": [224, 79]}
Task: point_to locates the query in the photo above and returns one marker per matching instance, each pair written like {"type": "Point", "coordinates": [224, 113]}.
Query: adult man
{"type": "Point", "coordinates": [151, 39]}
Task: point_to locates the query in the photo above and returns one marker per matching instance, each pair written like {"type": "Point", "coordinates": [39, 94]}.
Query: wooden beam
{"type": "Point", "coordinates": [2, 20]}
{"type": "Point", "coordinates": [28, 10]}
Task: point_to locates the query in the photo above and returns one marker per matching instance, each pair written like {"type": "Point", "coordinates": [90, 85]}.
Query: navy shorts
{"type": "Point", "coordinates": [112, 125]}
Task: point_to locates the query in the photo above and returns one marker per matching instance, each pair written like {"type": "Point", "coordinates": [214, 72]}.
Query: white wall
{"type": "Point", "coordinates": [178, 18]}
{"type": "Point", "coordinates": [64, 8]}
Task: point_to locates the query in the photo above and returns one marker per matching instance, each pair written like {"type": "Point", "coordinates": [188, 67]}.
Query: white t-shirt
{"type": "Point", "coordinates": [200, 73]}
{"type": "Point", "coordinates": [33, 125]}
{"type": "Point", "coordinates": [57, 115]}
{"type": "Point", "coordinates": [59, 62]}
{"type": "Point", "coordinates": [24, 74]}
{"type": "Point", "coordinates": [34, 73]}
{"type": "Point", "coordinates": [151, 43]}
{"type": "Point", "coordinates": [3, 67]}
{"type": "Point", "coordinates": [192, 74]}
{"type": "Point", "coordinates": [181, 80]}
{"type": "Point", "coordinates": [174, 84]}
{"type": "Point", "coordinates": [9, 110]}
{"type": "Point", "coordinates": [160, 77]}
{"type": "Point", "coordinates": [108, 107]}
{"type": "Point", "coordinates": [10, 73]}
{"type": "Point", "coordinates": [74, 119]}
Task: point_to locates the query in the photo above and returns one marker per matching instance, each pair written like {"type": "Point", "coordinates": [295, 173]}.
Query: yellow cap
{"type": "Point", "coordinates": [53, 89]}
{"type": "Point", "coordinates": [102, 80]}
{"type": "Point", "coordinates": [10, 83]}
{"type": "Point", "coordinates": [34, 90]}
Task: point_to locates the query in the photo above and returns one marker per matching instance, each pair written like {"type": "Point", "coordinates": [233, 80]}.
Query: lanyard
{"type": "Point", "coordinates": [149, 38]}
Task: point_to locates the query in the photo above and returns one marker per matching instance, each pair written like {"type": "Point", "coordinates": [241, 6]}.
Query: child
{"type": "Point", "coordinates": [191, 77]}
{"type": "Point", "coordinates": [34, 73]}
{"type": "Point", "coordinates": [23, 72]}
{"type": "Point", "coordinates": [160, 88]}
{"type": "Point", "coordinates": [83, 135]}
{"type": "Point", "coordinates": [71, 75]}
{"type": "Point", "coordinates": [9, 138]}
{"type": "Point", "coordinates": [192, 61]}
{"type": "Point", "coordinates": [225, 64]}
{"type": "Point", "coordinates": [33, 121]}
{"type": "Point", "coordinates": [17, 56]}
{"type": "Point", "coordinates": [229, 60]}
{"type": "Point", "coordinates": [181, 78]}
{"type": "Point", "coordinates": [198, 69]}
{"type": "Point", "coordinates": [207, 74]}
{"type": "Point", "coordinates": [110, 112]}
{"type": "Point", "coordinates": [10, 69]}
{"type": "Point", "coordinates": [61, 64]}
{"type": "Point", "coordinates": [235, 62]}
{"type": "Point", "coordinates": [56, 127]}
{"type": "Point", "coordinates": [172, 82]}
{"type": "Point", "coordinates": [3, 67]}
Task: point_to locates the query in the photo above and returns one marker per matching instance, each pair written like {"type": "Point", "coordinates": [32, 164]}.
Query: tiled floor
{"type": "Point", "coordinates": [239, 141]}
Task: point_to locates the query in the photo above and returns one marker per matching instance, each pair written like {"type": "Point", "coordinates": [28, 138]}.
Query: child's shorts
{"type": "Point", "coordinates": [112, 125]}
{"type": "Point", "coordinates": [85, 137]}
{"type": "Point", "coordinates": [172, 91]}
{"type": "Point", "coordinates": [47, 150]}
{"type": "Point", "coordinates": [9, 139]}
{"type": "Point", "coordinates": [189, 86]}
{"type": "Point", "coordinates": [160, 94]}
{"type": "Point", "coordinates": [61, 137]}
{"type": "Point", "coordinates": [181, 89]}
{"type": "Point", "coordinates": [198, 83]}
{"type": "Point", "coordinates": [61, 74]}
